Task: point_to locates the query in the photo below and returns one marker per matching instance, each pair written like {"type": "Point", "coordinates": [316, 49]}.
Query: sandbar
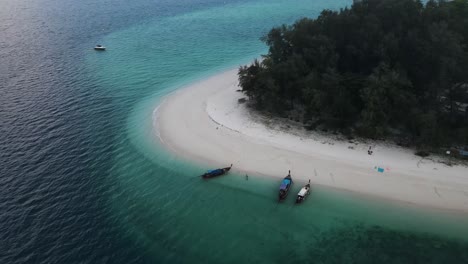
{"type": "Point", "coordinates": [205, 123]}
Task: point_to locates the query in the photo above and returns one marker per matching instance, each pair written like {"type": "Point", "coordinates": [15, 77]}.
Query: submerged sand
{"type": "Point", "coordinates": [205, 123]}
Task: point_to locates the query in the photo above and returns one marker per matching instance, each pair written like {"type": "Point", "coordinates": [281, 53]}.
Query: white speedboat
{"type": "Point", "coordinates": [99, 47]}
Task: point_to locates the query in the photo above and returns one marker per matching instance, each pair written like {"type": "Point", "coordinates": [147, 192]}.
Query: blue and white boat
{"type": "Point", "coordinates": [284, 187]}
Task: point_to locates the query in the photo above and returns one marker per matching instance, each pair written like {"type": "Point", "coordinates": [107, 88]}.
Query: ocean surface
{"type": "Point", "coordinates": [83, 178]}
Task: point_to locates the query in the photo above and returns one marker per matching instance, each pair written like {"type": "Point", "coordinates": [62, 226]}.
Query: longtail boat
{"type": "Point", "coordinates": [303, 193]}
{"type": "Point", "coordinates": [284, 187]}
{"type": "Point", "coordinates": [215, 172]}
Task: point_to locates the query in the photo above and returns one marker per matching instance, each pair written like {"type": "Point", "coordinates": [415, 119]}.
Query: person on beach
{"type": "Point", "coordinates": [370, 150]}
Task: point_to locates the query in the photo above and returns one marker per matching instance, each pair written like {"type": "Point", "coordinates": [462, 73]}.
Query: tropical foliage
{"type": "Point", "coordinates": [382, 68]}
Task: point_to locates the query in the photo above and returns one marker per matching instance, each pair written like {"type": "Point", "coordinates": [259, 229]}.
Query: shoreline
{"type": "Point", "coordinates": [205, 123]}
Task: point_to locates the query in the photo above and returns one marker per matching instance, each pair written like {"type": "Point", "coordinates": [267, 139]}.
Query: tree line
{"type": "Point", "coordinates": [380, 69]}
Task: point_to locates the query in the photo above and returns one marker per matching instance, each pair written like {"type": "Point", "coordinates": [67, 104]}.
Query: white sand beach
{"type": "Point", "coordinates": [205, 123]}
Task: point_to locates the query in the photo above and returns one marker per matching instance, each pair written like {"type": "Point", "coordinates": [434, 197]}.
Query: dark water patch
{"type": "Point", "coordinates": [364, 244]}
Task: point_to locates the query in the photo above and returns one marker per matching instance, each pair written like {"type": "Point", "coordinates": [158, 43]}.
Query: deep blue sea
{"type": "Point", "coordinates": [84, 180]}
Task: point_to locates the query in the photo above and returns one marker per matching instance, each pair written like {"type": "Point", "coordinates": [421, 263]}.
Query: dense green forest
{"type": "Point", "coordinates": [380, 69]}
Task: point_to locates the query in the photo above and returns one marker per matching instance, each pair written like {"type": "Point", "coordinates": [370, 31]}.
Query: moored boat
{"type": "Point", "coordinates": [303, 193]}
{"type": "Point", "coordinates": [284, 187]}
{"type": "Point", "coordinates": [216, 172]}
{"type": "Point", "coordinates": [99, 47]}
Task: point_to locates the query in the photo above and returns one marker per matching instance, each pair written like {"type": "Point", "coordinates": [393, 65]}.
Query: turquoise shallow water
{"type": "Point", "coordinates": [85, 180]}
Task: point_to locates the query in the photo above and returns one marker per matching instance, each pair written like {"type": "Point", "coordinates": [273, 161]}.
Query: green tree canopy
{"type": "Point", "coordinates": [381, 68]}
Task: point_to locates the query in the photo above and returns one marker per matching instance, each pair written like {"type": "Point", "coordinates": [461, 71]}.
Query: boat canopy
{"type": "Point", "coordinates": [285, 183]}
{"type": "Point", "coordinates": [215, 171]}
{"type": "Point", "coordinates": [303, 191]}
